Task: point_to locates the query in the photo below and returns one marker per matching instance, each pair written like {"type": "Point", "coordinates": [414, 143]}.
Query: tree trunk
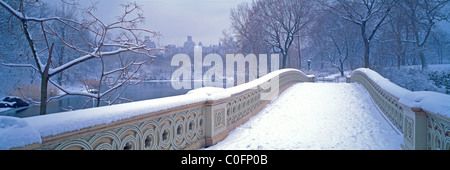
{"type": "Point", "coordinates": [43, 106]}
{"type": "Point", "coordinates": [400, 51]}
{"type": "Point", "coordinates": [366, 54]}
{"type": "Point", "coordinates": [440, 54]}
{"type": "Point", "coordinates": [98, 102]}
{"type": "Point", "coordinates": [403, 58]}
{"type": "Point", "coordinates": [321, 62]}
{"type": "Point", "coordinates": [422, 58]}
{"type": "Point", "coordinates": [61, 56]}
{"type": "Point", "coordinates": [44, 82]}
{"type": "Point", "coordinates": [366, 45]}
{"type": "Point", "coordinates": [299, 54]}
{"type": "Point", "coordinates": [299, 60]}
{"type": "Point", "coordinates": [284, 60]}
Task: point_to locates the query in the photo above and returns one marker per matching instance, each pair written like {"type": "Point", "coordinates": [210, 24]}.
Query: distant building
{"type": "Point", "coordinates": [171, 50]}
{"type": "Point", "coordinates": [189, 45]}
{"type": "Point", "coordinates": [188, 48]}
{"type": "Point", "coordinates": [149, 43]}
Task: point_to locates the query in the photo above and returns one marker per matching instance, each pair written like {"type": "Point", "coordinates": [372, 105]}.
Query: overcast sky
{"type": "Point", "coordinates": [176, 19]}
{"type": "Point", "coordinates": [204, 20]}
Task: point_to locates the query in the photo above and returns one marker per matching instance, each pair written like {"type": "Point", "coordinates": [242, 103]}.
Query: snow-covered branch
{"type": "Point", "coordinates": [118, 85]}
{"type": "Point", "coordinates": [25, 18]}
{"type": "Point", "coordinates": [90, 56]}
{"type": "Point", "coordinates": [70, 92]}
{"type": "Point", "coordinates": [19, 65]}
{"type": "Point", "coordinates": [104, 43]}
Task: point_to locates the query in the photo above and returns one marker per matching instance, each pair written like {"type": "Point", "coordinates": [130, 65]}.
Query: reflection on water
{"type": "Point", "coordinates": [142, 91]}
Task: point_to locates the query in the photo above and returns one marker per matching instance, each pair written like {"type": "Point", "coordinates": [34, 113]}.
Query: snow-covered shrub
{"type": "Point", "coordinates": [415, 79]}
{"type": "Point", "coordinates": [441, 79]}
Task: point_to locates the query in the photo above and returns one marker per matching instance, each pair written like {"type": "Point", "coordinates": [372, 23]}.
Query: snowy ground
{"type": "Point", "coordinates": [316, 116]}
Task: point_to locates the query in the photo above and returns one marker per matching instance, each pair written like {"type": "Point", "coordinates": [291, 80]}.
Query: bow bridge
{"type": "Point", "coordinates": [206, 116]}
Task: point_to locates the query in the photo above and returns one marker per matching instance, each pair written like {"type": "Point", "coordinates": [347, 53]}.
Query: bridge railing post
{"type": "Point", "coordinates": [414, 129]}
{"type": "Point", "coordinates": [215, 121]}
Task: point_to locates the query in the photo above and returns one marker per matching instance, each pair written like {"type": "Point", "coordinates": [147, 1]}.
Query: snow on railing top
{"type": "Point", "coordinates": [58, 123]}
{"type": "Point", "coordinates": [54, 124]}
{"type": "Point", "coordinates": [384, 83]}
{"type": "Point", "coordinates": [215, 93]}
{"type": "Point", "coordinates": [432, 102]}
{"type": "Point", "coordinates": [15, 132]}
{"type": "Point", "coordinates": [255, 83]}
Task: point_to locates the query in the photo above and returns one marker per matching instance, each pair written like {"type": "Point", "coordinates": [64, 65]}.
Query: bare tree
{"type": "Point", "coordinates": [399, 32]}
{"type": "Point", "coordinates": [282, 21]}
{"type": "Point", "coordinates": [228, 44]}
{"type": "Point", "coordinates": [423, 15]}
{"type": "Point", "coordinates": [68, 11]}
{"type": "Point", "coordinates": [103, 45]}
{"type": "Point", "coordinates": [335, 40]}
{"type": "Point", "coordinates": [369, 15]}
{"type": "Point", "coordinates": [247, 27]}
{"type": "Point", "coordinates": [270, 25]}
{"type": "Point", "coordinates": [440, 39]}
{"type": "Point", "coordinates": [342, 38]}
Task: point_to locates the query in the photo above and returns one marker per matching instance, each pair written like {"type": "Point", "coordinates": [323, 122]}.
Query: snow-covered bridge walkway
{"type": "Point", "coordinates": [304, 116]}
{"type": "Point", "coordinates": [317, 116]}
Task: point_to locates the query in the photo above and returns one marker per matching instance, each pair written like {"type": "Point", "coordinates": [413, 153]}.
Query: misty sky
{"type": "Point", "coordinates": [176, 19]}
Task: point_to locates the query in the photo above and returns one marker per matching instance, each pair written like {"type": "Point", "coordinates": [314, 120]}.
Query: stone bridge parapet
{"type": "Point", "coordinates": [198, 119]}
{"type": "Point", "coordinates": [422, 117]}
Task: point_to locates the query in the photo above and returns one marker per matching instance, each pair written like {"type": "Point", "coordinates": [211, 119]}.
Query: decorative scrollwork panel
{"type": "Point", "coordinates": [438, 135]}
{"type": "Point", "coordinates": [175, 131]}
{"type": "Point", "coordinates": [388, 105]}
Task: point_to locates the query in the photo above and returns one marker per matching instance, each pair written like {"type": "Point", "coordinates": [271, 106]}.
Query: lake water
{"type": "Point", "coordinates": [142, 91]}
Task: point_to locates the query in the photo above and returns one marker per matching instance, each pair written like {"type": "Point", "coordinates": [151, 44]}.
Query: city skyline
{"type": "Point", "coordinates": [175, 19]}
